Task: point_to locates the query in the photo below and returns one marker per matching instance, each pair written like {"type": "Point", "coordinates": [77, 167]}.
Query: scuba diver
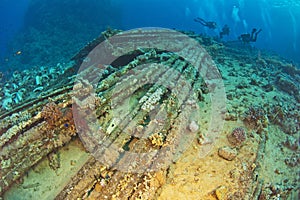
{"type": "Point", "coordinates": [210, 25]}
{"type": "Point", "coordinates": [225, 31]}
{"type": "Point", "coordinates": [246, 38]}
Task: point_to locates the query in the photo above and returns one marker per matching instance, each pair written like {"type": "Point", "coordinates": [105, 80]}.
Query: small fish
{"type": "Point", "coordinates": [18, 52]}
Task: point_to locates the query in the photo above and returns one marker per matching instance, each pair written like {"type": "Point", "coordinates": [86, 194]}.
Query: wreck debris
{"type": "Point", "coordinates": [154, 114]}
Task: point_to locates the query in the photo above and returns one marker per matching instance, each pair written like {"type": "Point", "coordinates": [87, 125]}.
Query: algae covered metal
{"type": "Point", "coordinates": [143, 104]}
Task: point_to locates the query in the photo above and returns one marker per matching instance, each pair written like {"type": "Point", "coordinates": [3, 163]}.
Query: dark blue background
{"type": "Point", "coordinates": [11, 20]}
{"type": "Point", "coordinates": [278, 20]}
{"type": "Point", "coordinates": [281, 29]}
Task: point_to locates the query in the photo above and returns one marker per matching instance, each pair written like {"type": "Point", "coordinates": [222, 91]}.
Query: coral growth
{"type": "Point", "coordinates": [144, 114]}
{"type": "Point", "coordinates": [256, 118]}
{"type": "Point", "coordinates": [69, 121]}
{"type": "Point", "coordinates": [54, 160]}
{"type": "Point", "coordinates": [57, 118]}
{"type": "Point", "coordinates": [286, 116]}
{"type": "Point", "coordinates": [293, 161]}
{"type": "Point", "coordinates": [151, 100]}
{"type": "Point", "coordinates": [51, 113]}
{"type": "Point", "coordinates": [287, 85]}
{"type": "Point", "coordinates": [291, 143]}
{"type": "Point", "coordinates": [157, 139]}
{"type": "Point", "coordinates": [237, 136]}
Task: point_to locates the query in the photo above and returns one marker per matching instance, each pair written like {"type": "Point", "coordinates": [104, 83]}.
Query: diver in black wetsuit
{"type": "Point", "coordinates": [225, 31]}
{"type": "Point", "coordinates": [210, 25]}
{"type": "Point", "coordinates": [246, 38]}
{"type": "Point", "coordinates": [254, 34]}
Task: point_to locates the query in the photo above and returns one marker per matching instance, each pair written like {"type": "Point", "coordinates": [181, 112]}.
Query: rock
{"type": "Point", "coordinates": [193, 127]}
{"type": "Point", "coordinates": [227, 153]}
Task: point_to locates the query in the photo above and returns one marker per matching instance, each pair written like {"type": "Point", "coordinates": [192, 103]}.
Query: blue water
{"type": "Point", "coordinates": [40, 29]}
{"type": "Point", "coordinates": [11, 20]}
{"type": "Point", "coordinates": [277, 19]}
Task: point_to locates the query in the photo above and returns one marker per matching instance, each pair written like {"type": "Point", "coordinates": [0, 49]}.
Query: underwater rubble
{"type": "Point", "coordinates": [256, 156]}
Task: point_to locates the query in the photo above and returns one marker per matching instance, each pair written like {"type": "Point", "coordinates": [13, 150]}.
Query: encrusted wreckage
{"type": "Point", "coordinates": [135, 115]}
